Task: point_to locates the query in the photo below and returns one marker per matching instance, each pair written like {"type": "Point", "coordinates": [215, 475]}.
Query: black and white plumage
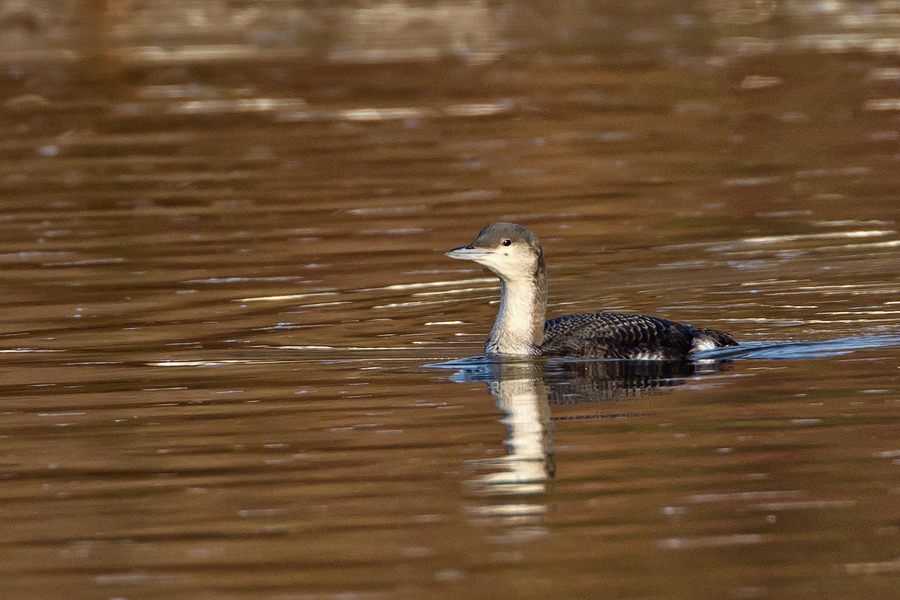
{"type": "Point", "coordinates": [515, 255]}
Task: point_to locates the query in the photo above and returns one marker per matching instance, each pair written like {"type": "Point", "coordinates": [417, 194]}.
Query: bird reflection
{"type": "Point", "coordinates": [521, 394]}
{"type": "Point", "coordinates": [599, 381]}
{"type": "Point", "coordinates": [525, 389]}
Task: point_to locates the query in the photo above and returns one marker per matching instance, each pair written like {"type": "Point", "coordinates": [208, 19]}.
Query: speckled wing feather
{"type": "Point", "coordinates": [609, 335]}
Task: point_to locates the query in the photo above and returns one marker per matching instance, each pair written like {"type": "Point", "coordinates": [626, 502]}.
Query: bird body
{"type": "Point", "coordinates": [515, 255]}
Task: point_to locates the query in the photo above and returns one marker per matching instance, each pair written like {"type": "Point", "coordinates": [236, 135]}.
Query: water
{"type": "Point", "coordinates": [236, 363]}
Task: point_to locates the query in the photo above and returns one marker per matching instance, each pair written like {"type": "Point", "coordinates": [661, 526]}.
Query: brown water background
{"type": "Point", "coordinates": [222, 229]}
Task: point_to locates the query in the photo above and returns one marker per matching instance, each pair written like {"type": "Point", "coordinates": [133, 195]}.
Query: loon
{"type": "Point", "coordinates": [514, 254]}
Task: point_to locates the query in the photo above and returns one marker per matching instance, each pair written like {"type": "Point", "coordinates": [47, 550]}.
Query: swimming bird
{"type": "Point", "coordinates": [515, 255]}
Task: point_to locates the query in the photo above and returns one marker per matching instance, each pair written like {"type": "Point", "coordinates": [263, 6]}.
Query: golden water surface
{"type": "Point", "coordinates": [227, 316]}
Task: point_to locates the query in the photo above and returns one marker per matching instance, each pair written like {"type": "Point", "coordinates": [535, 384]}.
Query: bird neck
{"type": "Point", "coordinates": [519, 327]}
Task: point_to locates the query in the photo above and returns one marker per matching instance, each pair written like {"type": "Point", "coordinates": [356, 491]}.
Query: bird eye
{"type": "Point", "coordinates": [506, 242]}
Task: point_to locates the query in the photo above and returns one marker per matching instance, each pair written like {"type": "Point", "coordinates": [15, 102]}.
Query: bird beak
{"type": "Point", "coordinates": [468, 253]}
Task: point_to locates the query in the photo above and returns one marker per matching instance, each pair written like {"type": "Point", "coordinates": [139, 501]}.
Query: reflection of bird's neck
{"type": "Point", "coordinates": [530, 440]}
{"type": "Point", "coordinates": [519, 328]}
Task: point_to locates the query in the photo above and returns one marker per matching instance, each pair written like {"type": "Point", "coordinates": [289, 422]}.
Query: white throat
{"type": "Point", "coordinates": [519, 328]}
